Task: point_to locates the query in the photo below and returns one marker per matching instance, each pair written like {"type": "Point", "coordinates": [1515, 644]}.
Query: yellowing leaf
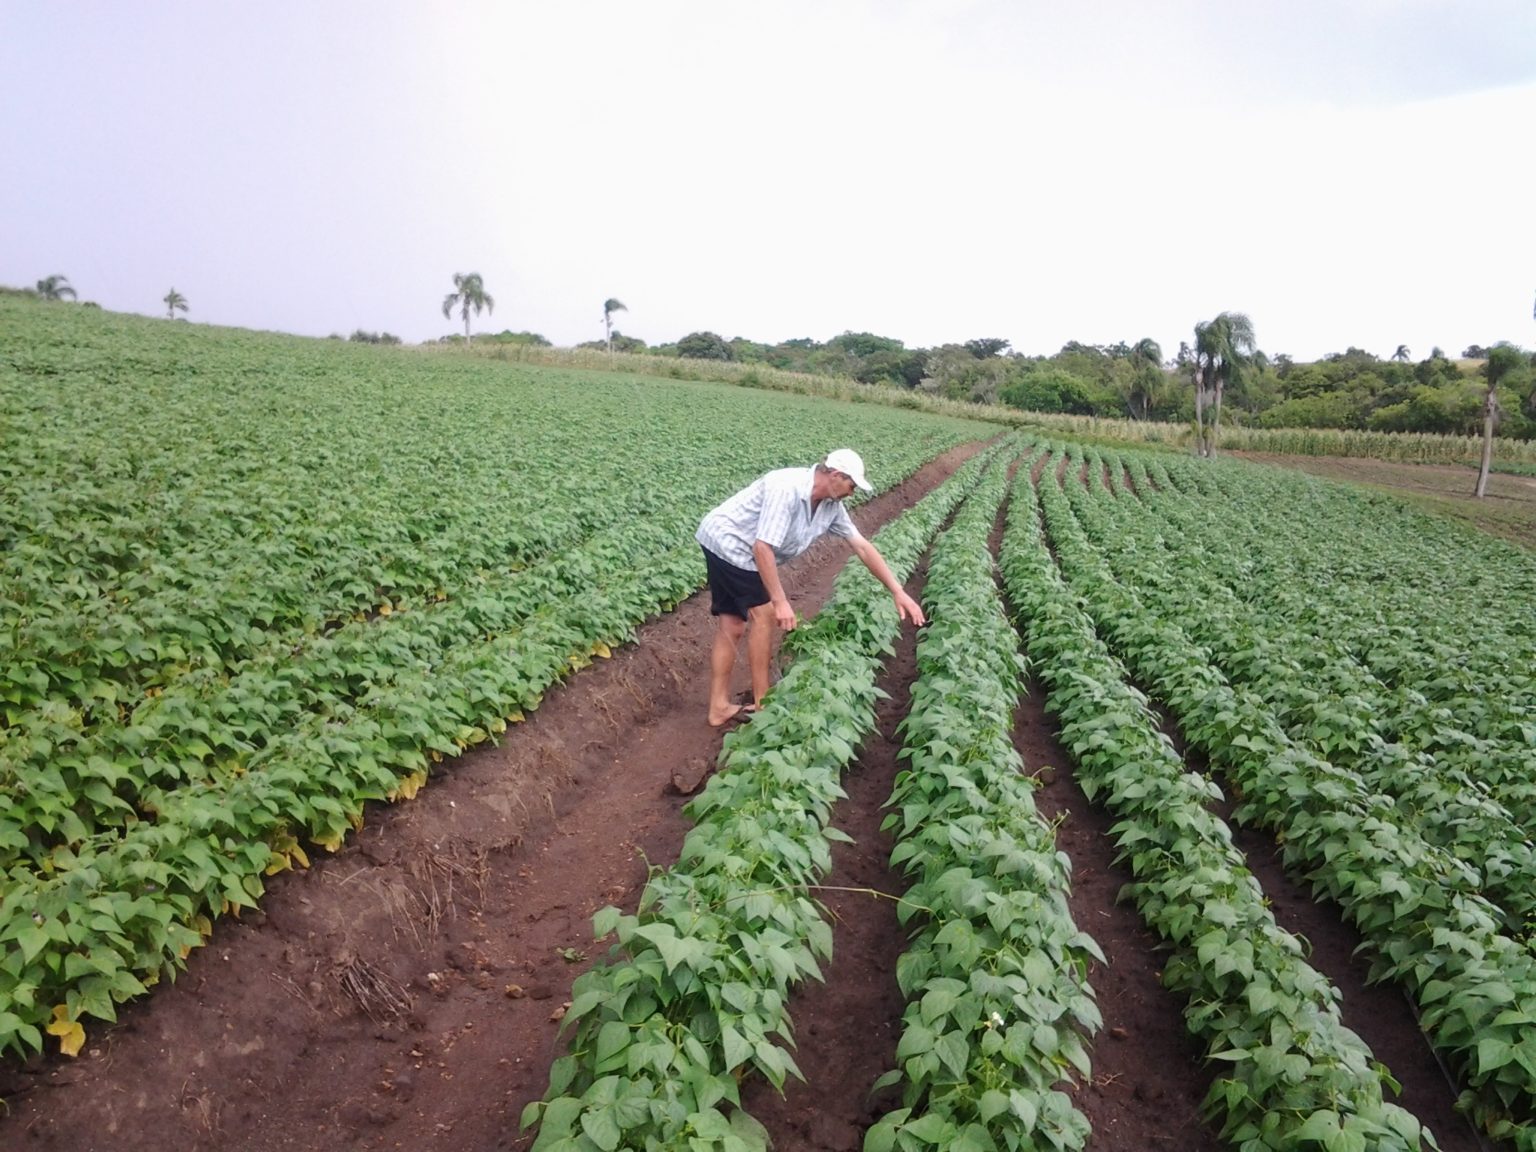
{"type": "Point", "coordinates": [385, 609]}
{"type": "Point", "coordinates": [409, 786]}
{"type": "Point", "coordinates": [202, 925]}
{"type": "Point", "coordinates": [602, 650]}
{"type": "Point", "coordinates": [332, 842]}
{"type": "Point", "coordinates": [71, 1033]}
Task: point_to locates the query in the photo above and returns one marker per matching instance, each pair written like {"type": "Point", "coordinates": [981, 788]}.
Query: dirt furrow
{"type": "Point", "coordinates": [847, 1027]}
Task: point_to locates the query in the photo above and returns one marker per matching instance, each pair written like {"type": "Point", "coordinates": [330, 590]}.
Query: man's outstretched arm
{"type": "Point", "coordinates": [906, 607]}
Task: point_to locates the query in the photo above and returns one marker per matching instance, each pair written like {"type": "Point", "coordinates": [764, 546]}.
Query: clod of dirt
{"type": "Point", "coordinates": [515, 991]}
{"type": "Point", "coordinates": [356, 1113]}
{"type": "Point", "coordinates": [377, 853]}
{"type": "Point", "coordinates": [403, 1086]}
{"type": "Point", "coordinates": [689, 777]}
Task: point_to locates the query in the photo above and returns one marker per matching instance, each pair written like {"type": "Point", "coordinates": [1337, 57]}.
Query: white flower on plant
{"type": "Point", "coordinates": [995, 1021]}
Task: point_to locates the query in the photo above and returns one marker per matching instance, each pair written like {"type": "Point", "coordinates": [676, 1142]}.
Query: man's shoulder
{"type": "Point", "coordinates": [794, 478]}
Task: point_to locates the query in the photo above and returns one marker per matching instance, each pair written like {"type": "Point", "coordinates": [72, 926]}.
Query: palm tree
{"type": "Point", "coordinates": [1402, 354]}
{"type": "Point", "coordinates": [1146, 375]}
{"type": "Point", "coordinates": [1224, 349]}
{"type": "Point", "coordinates": [469, 291]}
{"type": "Point", "coordinates": [610, 306]}
{"type": "Point", "coordinates": [174, 302]}
{"type": "Point", "coordinates": [55, 288]}
{"type": "Point", "coordinates": [1502, 360]}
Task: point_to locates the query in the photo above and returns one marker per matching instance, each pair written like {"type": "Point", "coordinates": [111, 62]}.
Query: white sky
{"type": "Point", "coordinates": [1345, 171]}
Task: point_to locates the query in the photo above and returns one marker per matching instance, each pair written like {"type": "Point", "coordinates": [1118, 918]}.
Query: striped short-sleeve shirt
{"type": "Point", "coordinates": [776, 509]}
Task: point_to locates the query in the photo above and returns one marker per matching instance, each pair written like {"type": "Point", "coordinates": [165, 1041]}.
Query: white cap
{"type": "Point", "coordinates": [849, 463]}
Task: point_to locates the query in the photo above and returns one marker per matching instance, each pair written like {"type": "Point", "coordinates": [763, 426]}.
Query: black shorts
{"type": "Point", "coordinates": [733, 591]}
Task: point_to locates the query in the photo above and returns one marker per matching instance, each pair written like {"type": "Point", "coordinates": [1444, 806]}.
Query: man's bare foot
{"type": "Point", "coordinates": [736, 715]}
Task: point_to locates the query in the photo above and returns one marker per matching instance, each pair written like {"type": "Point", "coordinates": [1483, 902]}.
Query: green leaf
{"type": "Point", "coordinates": [992, 1103]}
{"type": "Point", "coordinates": [557, 1121]}
{"type": "Point", "coordinates": [930, 1128]}
{"type": "Point", "coordinates": [604, 921]}
{"type": "Point", "coordinates": [737, 1050]}
{"type": "Point", "coordinates": [612, 1039]}
{"type": "Point", "coordinates": [954, 1052]}
{"type": "Point", "coordinates": [602, 1128]}
{"type": "Point", "coordinates": [33, 939]}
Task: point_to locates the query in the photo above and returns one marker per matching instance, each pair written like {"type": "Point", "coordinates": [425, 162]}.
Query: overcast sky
{"type": "Point", "coordinates": [1344, 171]}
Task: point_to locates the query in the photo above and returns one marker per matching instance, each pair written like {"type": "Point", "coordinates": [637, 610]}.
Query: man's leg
{"type": "Point", "coordinates": [760, 649]}
{"type": "Point", "coordinates": [722, 658]}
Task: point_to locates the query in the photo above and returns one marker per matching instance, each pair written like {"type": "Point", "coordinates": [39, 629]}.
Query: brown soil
{"type": "Point", "coordinates": [402, 993]}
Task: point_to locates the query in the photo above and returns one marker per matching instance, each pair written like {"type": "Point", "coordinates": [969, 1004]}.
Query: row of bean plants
{"type": "Point", "coordinates": [995, 976]}
{"type": "Point", "coordinates": [1381, 669]}
{"type": "Point", "coordinates": [1296, 1077]}
{"type": "Point", "coordinates": [164, 477]}
{"type": "Point", "coordinates": [1416, 906]}
{"type": "Point", "coordinates": [692, 994]}
{"type": "Point", "coordinates": [1326, 701]}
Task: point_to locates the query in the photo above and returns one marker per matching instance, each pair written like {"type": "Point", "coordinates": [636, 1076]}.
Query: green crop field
{"type": "Point", "coordinates": [1282, 622]}
{"type": "Point", "coordinates": [251, 582]}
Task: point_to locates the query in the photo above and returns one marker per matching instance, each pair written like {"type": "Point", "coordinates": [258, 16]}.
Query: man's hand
{"type": "Point", "coordinates": [784, 615]}
{"type": "Point", "coordinates": [909, 609]}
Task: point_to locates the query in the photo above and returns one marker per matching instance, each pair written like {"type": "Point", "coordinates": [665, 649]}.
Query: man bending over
{"type": "Point", "coordinates": [769, 522]}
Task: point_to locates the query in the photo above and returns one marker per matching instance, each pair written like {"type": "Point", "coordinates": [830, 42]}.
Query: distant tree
{"type": "Point", "coordinates": [1402, 355]}
{"type": "Point", "coordinates": [1474, 352]}
{"type": "Point", "coordinates": [860, 344]}
{"type": "Point", "coordinates": [1436, 353]}
{"type": "Point", "coordinates": [1146, 377]}
{"type": "Point", "coordinates": [1224, 349]}
{"type": "Point", "coordinates": [362, 337]}
{"type": "Point", "coordinates": [986, 348]}
{"type": "Point", "coordinates": [1503, 361]}
{"type": "Point", "coordinates": [507, 336]}
{"type": "Point", "coordinates": [704, 346]}
{"type": "Point", "coordinates": [469, 291]}
{"type": "Point", "coordinates": [174, 302]}
{"type": "Point", "coordinates": [905, 369]}
{"type": "Point", "coordinates": [55, 288]}
{"type": "Point", "coordinates": [610, 306]}
{"type": "Point", "coordinates": [1043, 386]}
